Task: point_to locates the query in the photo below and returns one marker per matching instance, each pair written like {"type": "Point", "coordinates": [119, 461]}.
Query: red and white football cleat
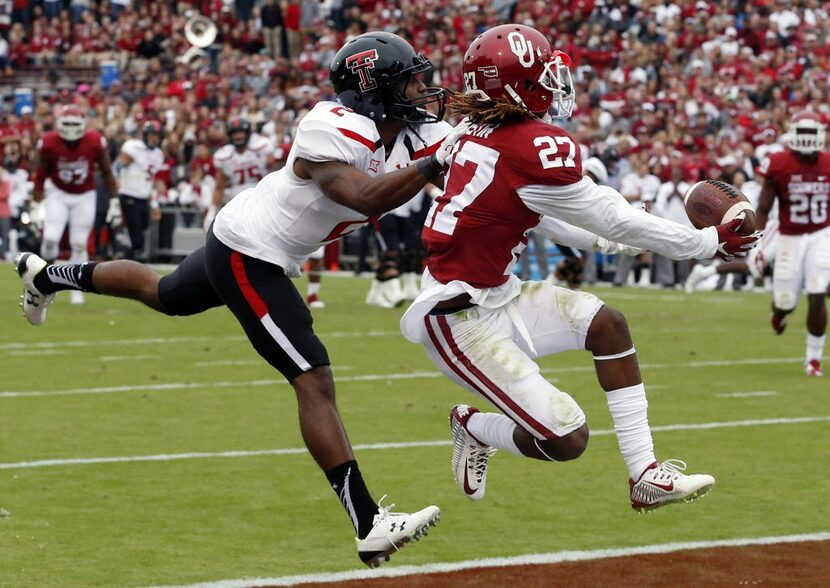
{"type": "Point", "coordinates": [314, 301]}
{"type": "Point", "coordinates": [665, 483]}
{"type": "Point", "coordinates": [813, 368]}
{"type": "Point", "coordinates": [778, 322]}
{"type": "Point", "coordinates": [469, 457]}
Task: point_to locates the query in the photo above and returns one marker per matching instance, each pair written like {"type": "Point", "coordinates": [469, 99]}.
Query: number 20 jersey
{"type": "Point", "coordinates": [475, 231]}
{"type": "Point", "coordinates": [802, 187]}
{"type": "Point", "coordinates": [71, 166]}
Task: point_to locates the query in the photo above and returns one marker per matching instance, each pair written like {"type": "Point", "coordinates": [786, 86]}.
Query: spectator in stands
{"type": "Point", "coordinates": [668, 204]}
{"type": "Point", "coordinates": [270, 14]}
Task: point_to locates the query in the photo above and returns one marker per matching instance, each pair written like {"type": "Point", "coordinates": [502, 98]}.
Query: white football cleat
{"type": "Point", "coordinates": [34, 303]}
{"type": "Point", "coordinates": [76, 297]}
{"type": "Point", "coordinates": [411, 289]}
{"type": "Point", "coordinates": [393, 530]}
{"type": "Point", "coordinates": [665, 483]}
{"type": "Point", "coordinates": [375, 296]}
{"type": "Point", "coordinates": [469, 457]}
{"type": "Point", "coordinates": [698, 274]}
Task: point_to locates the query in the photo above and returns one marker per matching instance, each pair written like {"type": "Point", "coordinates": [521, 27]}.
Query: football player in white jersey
{"type": "Point", "coordinates": [137, 166]}
{"type": "Point", "coordinates": [240, 164]}
{"type": "Point", "coordinates": [332, 184]}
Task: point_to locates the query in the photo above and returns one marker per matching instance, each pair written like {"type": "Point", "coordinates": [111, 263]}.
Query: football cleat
{"type": "Point", "coordinates": [76, 297]}
{"type": "Point", "coordinates": [778, 322]}
{"type": "Point", "coordinates": [470, 457]}
{"type": "Point", "coordinates": [665, 483]}
{"type": "Point", "coordinates": [813, 368]}
{"type": "Point", "coordinates": [34, 303]}
{"type": "Point", "coordinates": [315, 302]}
{"type": "Point", "coordinates": [698, 274]}
{"type": "Point", "coordinates": [392, 531]}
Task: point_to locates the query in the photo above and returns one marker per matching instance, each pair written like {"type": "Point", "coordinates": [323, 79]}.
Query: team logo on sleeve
{"type": "Point", "coordinates": [362, 64]}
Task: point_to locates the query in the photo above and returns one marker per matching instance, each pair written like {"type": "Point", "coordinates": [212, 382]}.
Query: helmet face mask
{"type": "Point", "coordinates": [239, 132]}
{"type": "Point", "coordinates": [806, 134]}
{"type": "Point", "coordinates": [152, 128]}
{"type": "Point", "coordinates": [371, 74]}
{"type": "Point", "coordinates": [516, 63]}
{"type": "Point", "coordinates": [71, 124]}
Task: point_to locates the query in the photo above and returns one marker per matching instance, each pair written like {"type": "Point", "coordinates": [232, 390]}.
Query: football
{"type": "Point", "coordinates": [712, 202]}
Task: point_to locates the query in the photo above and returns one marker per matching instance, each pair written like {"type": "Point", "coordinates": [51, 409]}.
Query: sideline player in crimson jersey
{"type": "Point", "coordinates": [332, 184]}
{"type": "Point", "coordinates": [799, 178]}
{"type": "Point", "coordinates": [65, 174]}
{"type": "Point", "coordinates": [482, 326]}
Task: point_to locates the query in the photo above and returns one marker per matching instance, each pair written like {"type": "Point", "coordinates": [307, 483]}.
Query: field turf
{"type": "Point", "coordinates": [112, 379]}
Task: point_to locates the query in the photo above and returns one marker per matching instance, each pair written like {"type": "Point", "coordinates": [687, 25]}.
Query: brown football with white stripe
{"type": "Point", "coordinates": [712, 202]}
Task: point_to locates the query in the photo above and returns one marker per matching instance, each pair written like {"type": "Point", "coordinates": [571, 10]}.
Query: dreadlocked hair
{"type": "Point", "coordinates": [488, 112]}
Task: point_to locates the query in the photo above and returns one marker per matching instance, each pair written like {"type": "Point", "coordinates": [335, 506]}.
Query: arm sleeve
{"type": "Point", "coordinates": [563, 233]}
{"type": "Point", "coordinates": [604, 211]}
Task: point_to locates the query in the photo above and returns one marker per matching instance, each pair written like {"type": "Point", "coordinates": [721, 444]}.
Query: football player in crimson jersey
{"type": "Point", "coordinates": [482, 326]}
{"type": "Point", "coordinates": [65, 175]}
{"type": "Point", "coordinates": [799, 178]}
{"type": "Point", "coordinates": [332, 184]}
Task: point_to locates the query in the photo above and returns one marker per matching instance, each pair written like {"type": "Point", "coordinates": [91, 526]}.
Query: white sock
{"type": "Point", "coordinates": [629, 410]}
{"type": "Point", "coordinates": [313, 288]}
{"type": "Point", "coordinates": [815, 346]}
{"type": "Point", "coordinates": [493, 429]}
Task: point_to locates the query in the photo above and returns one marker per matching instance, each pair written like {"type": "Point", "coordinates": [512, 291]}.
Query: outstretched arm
{"type": "Point", "coordinates": [602, 210]}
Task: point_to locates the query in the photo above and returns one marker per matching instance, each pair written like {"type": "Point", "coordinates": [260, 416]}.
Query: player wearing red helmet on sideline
{"type": "Point", "coordinates": [799, 178]}
{"type": "Point", "coordinates": [65, 182]}
{"type": "Point", "coordinates": [138, 163]}
{"type": "Point", "coordinates": [482, 326]}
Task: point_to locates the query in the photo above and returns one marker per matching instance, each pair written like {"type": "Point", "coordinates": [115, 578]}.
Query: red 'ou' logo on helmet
{"type": "Point", "coordinates": [362, 63]}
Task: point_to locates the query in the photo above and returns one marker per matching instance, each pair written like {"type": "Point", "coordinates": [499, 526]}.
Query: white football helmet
{"type": "Point", "coordinates": [71, 123]}
{"type": "Point", "coordinates": [806, 133]}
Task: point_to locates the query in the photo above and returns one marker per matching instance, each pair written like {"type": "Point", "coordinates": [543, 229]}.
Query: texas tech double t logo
{"type": "Point", "coordinates": [362, 64]}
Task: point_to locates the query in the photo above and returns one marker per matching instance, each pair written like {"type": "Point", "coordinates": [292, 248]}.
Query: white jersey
{"type": "Point", "coordinates": [244, 169]}
{"type": "Point", "coordinates": [409, 147]}
{"type": "Point", "coordinates": [136, 178]}
{"type": "Point", "coordinates": [284, 219]}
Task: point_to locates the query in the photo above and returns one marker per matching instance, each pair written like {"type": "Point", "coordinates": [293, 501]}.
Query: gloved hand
{"type": "Point", "coordinates": [114, 216]}
{"type": "Point", "coordinates": [209, 216]}
{"type": "Point", "coordinates": [441, 157]}
{"type": "Point", "coordinates": [731, 244]}
{"type": "Point", "coordinates": [607, 247]}
{"type": "Point", "coordinates": [37, 213]}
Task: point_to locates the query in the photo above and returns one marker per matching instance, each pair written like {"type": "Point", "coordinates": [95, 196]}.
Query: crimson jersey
{"type": "Point", "coordinates": [476, 230]}
{"type": "Point", "coordinates": [802, 187]}
{"type": "Point", "coordinates": [71, 166]}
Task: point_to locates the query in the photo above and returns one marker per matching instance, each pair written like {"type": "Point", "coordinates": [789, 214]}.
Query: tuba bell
{"type": "Point", "coordinates": [200, 32]}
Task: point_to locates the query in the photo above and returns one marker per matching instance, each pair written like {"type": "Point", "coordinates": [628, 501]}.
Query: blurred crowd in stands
{"type": "Point", "coordinates": [667, 92]}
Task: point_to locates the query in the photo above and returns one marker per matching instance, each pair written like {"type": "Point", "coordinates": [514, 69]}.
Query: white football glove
{"type": "Point", "coordinates": [37, 214]}
{"type": "Point", "coordinates": [209, 216]}
{"type": "Point", "coordinates": [114, 216]}
{"type": "Point", "coordinates": [447, 147]}
{"type": "Point", "coordinates": [607, 247]}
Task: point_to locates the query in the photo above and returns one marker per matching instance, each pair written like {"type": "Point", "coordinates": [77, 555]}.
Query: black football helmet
{"type": "Point", "coordinates": [368, 75]}
{"type": "Point", "coordinates": [152, 127]}
{"type": "Point", "coordinates": [236, 126]}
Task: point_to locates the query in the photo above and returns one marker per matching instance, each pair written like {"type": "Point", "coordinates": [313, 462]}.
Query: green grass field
{"type": "Point", "coordinates": [113, 379]}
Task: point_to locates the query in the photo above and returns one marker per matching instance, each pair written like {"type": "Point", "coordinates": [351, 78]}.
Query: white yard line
{"type": "Point", "coordinates": [496, 562]}
{"type": "Point", "coordinates": [174, 340]}
{"type": "Point", "coordinates": [403, 445]}
{"type": "Point", "coordinates": [372, 377]}
{"type": "Point", "coordinates": [748, 394]}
